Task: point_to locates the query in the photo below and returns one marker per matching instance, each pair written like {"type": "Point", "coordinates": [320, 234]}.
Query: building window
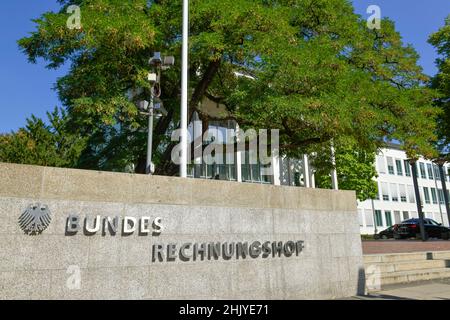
{"type": "Point", "coordinates": [427, 195]}
{"type": "Point", "coordinates": [222, 165]}
{"type": "Point", "coordinates": [385, 191]}
{"type": "Point", "coordinates": [441, 196]}
{"type": "Point", "coordinates": [397, 217]}
{"type": "Point", "coordinates": [381, 165]}
{"type": "Point", "coordinates": [361, 219]}
{"type": "Point", "coordinates": [402, 189]}
{"type": "Point", "coordinates": [388, 217]}
{"type": "Point", "coordinates": [394, 192]}
{"type": "Point", "coordinates": [214, 171]}
{"type": "Point", "coordinates": [405, 215]}
{"type": "Point", "coordinates": [227, 170]}
{"type": "Point", "coordinates": [434, 195]}
{"type": "Point", "coordinates": [423, 174]}
{"type": "Point", "coordinates": [292, 172]}
{"type": "Point", "coordinates": [390, 164]}
{"type": "Point", "coordinates": [437, 174]}
{"type": "Point", "coordinates": [411, 195]}
{"type": "Point", "coordinates": [254, 172]}
{"type": "Point", "coordinates": [369, 218]}
{"type": "Point", "coordinates": [398, 164]}
{"type": "Point", "coordinates": [430, 171]}
{"type": "Point", "coordinates": [407, 168]}
{"type": "Point", "coordinates": [378, 218]}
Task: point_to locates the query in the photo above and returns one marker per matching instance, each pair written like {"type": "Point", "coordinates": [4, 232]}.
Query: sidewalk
{"type": "Point", "coordinates": [427, 290]}
{"type": "Point", "coordinates": [404, 246]}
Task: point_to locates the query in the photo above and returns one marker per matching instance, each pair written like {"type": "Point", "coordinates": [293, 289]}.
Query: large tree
{"type": "Point", "coordinates": [40, 143]}
{"type": "Point", "coordinates": [441, 40]}
{"type": "Point", "coordinates": [318, 74]}
{"type": "Point", "coordinates": [355, 168]}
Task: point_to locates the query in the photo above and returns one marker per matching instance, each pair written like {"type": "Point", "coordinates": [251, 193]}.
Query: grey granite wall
{"type": "Point", "coordinates": [57, 265]}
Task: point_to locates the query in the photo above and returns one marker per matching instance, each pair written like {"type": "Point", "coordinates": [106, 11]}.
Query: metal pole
{"type": "Point", "coordinates": [444, 190]}
{"type": "Point", "coordinates": [306, 171]}
{"type": "Point", "coordinates": [437, 190]}
{"type": "Point", "coordinates": [150, 137]}
{"type": "Point", "coordinates": [184, 90]}
{"type": "Point", "coordinates": [418, 202]}
{"type": "Point", "coordinates": [374, 218]}
{"type": "Point", "coordinates": [334, 177]}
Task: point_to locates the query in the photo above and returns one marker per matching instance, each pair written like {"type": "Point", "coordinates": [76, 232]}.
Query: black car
{"type": "Point", "coordinates": [386, 234]}
{"type": "Point", "coordinates": [411, 228]}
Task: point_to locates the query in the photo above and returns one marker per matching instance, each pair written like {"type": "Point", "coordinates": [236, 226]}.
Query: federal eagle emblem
{"type": "Point", "coordinates": [35, 219]}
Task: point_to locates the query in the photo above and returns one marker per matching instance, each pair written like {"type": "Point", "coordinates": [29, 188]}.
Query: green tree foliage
{"type": "Point", "coordinates": [355, 169]}
{"type": "Point", "coordinates": [318, 74]}
{"type": "Point", "coordinates": [441, 40]}
{"type": "Point", "coordinates": [39, 143]}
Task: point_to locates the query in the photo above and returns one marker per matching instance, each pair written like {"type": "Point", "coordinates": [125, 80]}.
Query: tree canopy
{"type": "Point", "coordinates": [441, 40]}
{"type": "Point", "coordinates": [319, 74]}
{"type": "Point", "coordinates": [354, 166]}
{"type": "Point", "coordinates": [52, 144]}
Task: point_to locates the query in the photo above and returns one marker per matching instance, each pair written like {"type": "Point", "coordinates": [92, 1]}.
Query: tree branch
{"type": "Point", "coordinates": [203, 85]}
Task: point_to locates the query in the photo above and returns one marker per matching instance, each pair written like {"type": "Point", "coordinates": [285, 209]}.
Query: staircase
{"type": "Point", "coordinates": [388, 269]}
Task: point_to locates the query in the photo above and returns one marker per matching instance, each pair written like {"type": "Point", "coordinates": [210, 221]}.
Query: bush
{"type": "Point", "coordinates": [367, 237]}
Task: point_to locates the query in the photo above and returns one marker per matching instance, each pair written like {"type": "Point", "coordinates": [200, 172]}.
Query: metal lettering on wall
{"type": "Point", "coordinates": [226, 251]}
{"type": "Point", "coordinates": [36, 218]}
{"type": "Point", "coordinates": [113, 225]}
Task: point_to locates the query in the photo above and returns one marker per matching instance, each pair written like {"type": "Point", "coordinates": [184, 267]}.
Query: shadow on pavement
{"type": "Point", "coordinates": [381, 297]}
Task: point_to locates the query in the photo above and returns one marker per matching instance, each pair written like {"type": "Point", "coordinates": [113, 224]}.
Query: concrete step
{"type": "Point", "coordinates": [388, 267]}
{"type": "Point", "coordinates": [397, 268]}
{"type": "Point", "coordinates": [441, 255]}
{"type": "Point", "coordinates": [399, 257]}
{"type": "Point", "coordinates": [414, 276]}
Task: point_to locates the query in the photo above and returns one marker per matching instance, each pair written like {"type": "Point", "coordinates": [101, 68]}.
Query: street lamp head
{"type": "Point", "coordinates": [169, 61]}
{"type": "Point", "coordinates": [158, 106]}
{"type": "Point", "coordinates": [143, 105]}
{"type": "Point", "coordinates": [156, 59]}
{"type": "Point", "coordinates": [164, 62]}
{"type": "Point", "coordinates": [162, 111]}
{"type": "Point", "coordinates": [152, 78]}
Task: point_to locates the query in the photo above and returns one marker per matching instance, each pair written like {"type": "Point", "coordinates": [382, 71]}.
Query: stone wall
{"type": "Point", "coordinates": [48, 266]}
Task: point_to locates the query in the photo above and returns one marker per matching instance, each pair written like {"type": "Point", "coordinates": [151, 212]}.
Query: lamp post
{"type": "Point", "coordinates": [373, 216]}
{"type": "Point", "coordinates": [439, 198]}
{"type": "Point", "coordinates": [440, 162]}
{"type": "Point", "coordinates": [147, 108]}
{"type": "Point", "coordinates": [150, 106]}
{"type": "Point", "coordinates": [412, 162]}
{"type": "Point", "coordinates": [184, 90]}
{"type": "Point", "coordinates": [334, 177]}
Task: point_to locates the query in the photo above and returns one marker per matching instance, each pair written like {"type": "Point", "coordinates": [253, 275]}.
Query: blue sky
{"type": "Point", "coordinates": [26, 89]}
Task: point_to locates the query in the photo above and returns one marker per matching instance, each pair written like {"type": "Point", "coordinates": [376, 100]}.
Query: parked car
{"type": "Point", "coordinates": [385, 234]}
{"type": "Point", "coordinates": [411, 228]}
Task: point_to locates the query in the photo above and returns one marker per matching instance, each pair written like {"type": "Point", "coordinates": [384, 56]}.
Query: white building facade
{"type": "Point", "coordinates": [394, 203]}
{"type": "Point", "coordinates": [396, 197]}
